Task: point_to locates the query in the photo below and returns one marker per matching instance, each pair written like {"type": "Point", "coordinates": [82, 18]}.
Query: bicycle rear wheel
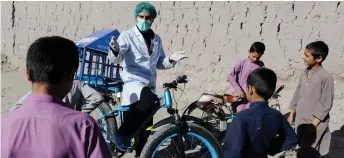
{"type": "Point", "coordinates": [209, 148]}
{"type": "Point", "coordinates": [107, 124]}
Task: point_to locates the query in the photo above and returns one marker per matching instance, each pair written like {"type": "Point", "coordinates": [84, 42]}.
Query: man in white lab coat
{"type": "Point", "coordinates": [140, 52]}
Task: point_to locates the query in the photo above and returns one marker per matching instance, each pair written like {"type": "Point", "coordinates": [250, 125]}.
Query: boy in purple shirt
{"type": "Point", "coordinates": [238, 77]}
{"type": "Point", "coordinates": [44, 126]}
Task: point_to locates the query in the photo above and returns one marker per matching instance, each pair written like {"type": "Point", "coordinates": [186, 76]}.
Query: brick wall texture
{"type": "Point", "coordinates": [215, 34]}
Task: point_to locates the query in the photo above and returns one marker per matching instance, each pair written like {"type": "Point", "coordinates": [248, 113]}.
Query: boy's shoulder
{"type": "Point", "coordinates": [247, 114]}
{"type": "Point", "coordinates": [325, 74]}
{"type": "Point", "coordinates": [261, 63]}
{"type": "Point", "coordinates": [240, 62]}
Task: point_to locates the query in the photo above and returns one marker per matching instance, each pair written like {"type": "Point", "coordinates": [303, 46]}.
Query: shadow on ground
{"type": "Point", "coordinates": [337, 144]}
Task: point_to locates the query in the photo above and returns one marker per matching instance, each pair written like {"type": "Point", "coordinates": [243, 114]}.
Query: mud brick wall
{"type": "Point", "coordinates": [215, 34]}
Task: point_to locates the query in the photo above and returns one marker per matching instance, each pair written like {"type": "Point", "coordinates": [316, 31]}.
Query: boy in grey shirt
{"type": "Point", "coordinates": [81, 97]}
{"type": "Point", "coordinates": [313, 98]}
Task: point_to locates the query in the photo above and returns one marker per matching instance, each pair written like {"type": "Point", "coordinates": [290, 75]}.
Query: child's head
{"type": "Point", "coordinates": [256, 51]}
{"type": "Point", "coordinates": [51, 63]}
{"type": "Point", "coordinates": [315, 53]}
{"type": "Point", "coordinates": [261, 84]}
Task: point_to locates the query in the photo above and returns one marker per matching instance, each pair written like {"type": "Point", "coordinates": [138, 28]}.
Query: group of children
{"type": "Point", "coordinates": [258, 131]}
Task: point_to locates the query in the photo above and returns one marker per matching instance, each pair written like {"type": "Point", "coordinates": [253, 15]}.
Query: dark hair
{"type": "Point", "coordinates": [258, 47]}
{"type": "Point", "coordinates": [264, 81]}
{"type": "Point", "coordinates": [318, 48]}
{"type": "Point", "coordinates": [49, 58]}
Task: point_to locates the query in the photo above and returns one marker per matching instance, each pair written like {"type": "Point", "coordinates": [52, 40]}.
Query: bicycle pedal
{"type": "Point", "coordinates": [129, 149]}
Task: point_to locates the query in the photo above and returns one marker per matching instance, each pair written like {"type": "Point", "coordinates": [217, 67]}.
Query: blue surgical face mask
{"type": "Point", "coordinates": [143, 25]}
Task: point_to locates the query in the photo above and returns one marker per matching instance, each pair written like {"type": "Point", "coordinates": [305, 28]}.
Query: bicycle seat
{"type": "Point", "coordinates": [231, 98]}
{"type": "Point", "coordinates": [112, 83]}
{"type": "Point", "coordinates": [205, 97]}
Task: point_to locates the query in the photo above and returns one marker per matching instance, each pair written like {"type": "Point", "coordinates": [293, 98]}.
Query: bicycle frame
{"type": "Point", "coordinates": [165, 102]}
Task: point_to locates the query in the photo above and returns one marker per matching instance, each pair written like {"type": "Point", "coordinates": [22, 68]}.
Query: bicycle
{"type": "Point", "coordinates": [100, 75]}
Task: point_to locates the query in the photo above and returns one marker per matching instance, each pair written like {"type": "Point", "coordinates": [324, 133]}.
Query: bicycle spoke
{"type": "Point", "coordinates": [205, 153]}
{"type": "Point", "coordinates": [176, 146]}
{"type": "Point", "coordinates": [167, 152]}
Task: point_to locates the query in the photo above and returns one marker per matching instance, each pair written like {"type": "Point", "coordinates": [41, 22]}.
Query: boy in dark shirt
{"type": "Point", "coordinates": [260, 130]}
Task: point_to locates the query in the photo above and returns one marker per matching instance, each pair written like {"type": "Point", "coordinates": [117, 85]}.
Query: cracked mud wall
{"type": "Point", "coordinates": [215, 34]}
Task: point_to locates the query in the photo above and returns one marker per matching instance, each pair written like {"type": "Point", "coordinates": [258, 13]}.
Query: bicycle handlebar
{"type": "Point", "coordinates": [279, 89]}
{"type": "Point", "coordinates": [276, 94]}
{"type": "Point", "coordinates": [174, 84]}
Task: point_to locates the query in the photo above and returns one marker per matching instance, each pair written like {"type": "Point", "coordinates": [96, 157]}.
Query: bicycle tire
{"type": "Point", "coordinates": [170, 130]}
{"type": "Point", "coordinates": [111, 123]}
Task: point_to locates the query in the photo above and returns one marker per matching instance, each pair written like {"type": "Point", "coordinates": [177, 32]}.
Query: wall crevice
{"type": "Point", "coordinates": [13, 31]}
{"type": "Point", "coordinates": [300, 46]}
{"type": "Point", "coordinates": [278, 29]}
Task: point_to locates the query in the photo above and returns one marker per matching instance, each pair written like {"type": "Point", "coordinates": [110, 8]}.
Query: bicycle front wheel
{"type": "Point", "coordinates": [197, 142]}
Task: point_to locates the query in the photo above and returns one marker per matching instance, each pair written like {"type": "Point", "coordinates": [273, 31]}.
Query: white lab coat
{"type": "Point", "coordinates": [139, 68]}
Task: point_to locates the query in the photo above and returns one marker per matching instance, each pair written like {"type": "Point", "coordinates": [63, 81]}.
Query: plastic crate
{"type": "Point", "coordinates": [94, 67]}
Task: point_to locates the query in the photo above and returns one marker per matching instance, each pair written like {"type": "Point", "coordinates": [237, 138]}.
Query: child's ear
{"type": "Point", "coordinates": [27, 75]}
{"type": "Point", "coordinates": [249, 90]}
{"type": "Point", "coordinates": [253, 90]}
{"type": "Point", "coordinates": [319, 59]}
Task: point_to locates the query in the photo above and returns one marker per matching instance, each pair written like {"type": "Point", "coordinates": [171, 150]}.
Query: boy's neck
{"type": "Point", "coordinates": [45, 89]}
{"type": "Point", "coordinates": [257, 99]}
{"type": "Point", "coordinates": [315, 67]}
{"type": "Point", "coordinates": [248, 58]}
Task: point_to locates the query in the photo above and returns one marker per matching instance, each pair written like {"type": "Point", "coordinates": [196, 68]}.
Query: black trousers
{"type": "Point", "coordinates": [133, 121]}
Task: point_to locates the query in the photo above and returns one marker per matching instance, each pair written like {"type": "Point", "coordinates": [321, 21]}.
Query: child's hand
{"type": "Point", "coordinates": [291, 117]}
{"type": "Point", "coordinates": [242, 94]}
{"type": "Point", "coordinates": [316, 122]}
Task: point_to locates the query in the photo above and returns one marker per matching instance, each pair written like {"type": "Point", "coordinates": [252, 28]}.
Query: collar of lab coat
{"type": "Point", "coordinates": [138, 33]}
{"type": "Point", "coordinates": [142, 40]}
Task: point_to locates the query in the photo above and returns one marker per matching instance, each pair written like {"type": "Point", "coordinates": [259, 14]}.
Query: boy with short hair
{"type": "Point", "coordinates": [260, 130]}
{"type": "Point", "coordinates": [44, 126]}
{"type": "Point", "coordinates": [313, 97]}
{"type": "Point", "coordinates": [238, 77]}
